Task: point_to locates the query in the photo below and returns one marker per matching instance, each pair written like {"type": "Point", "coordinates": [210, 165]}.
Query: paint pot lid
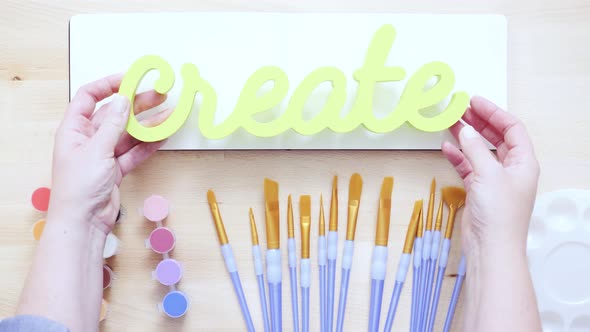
{"type": "Point", "coordinates": [175, 304]}
{"type": "Point", "coordinates": [107, 276]}
{"type": "Point", "coordinates": [40, 199]}
{"type": "Point", "coordinates": [111, 246]}
{"type": "Point", "coordinates": [38, 228]}
{"type": "Point", "coordinates": [104, 308]}
{"type": "Point", "coordinates": [162, 240]}
{"type": "Point", "coordinates": [155, 208]}
{"type": "Point", "coordinates": [169, 272]}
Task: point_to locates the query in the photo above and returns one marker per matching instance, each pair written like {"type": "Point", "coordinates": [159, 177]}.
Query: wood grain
{"type": "Point", "coordinates": [549, 74]}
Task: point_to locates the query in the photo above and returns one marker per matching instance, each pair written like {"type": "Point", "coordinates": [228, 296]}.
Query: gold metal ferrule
{"type": "Point", "coordinates": [413, 227]}
{"type": "Point", "coordinates": [439, 217]}
{"type": "Point", "coordinates": [420, 231]}
{"type": "Point", "coordinates": [333, 226]}
{"type": "Point", "coordinates": [384, 213]}
{"type": "Point", "coordinates": [305, 220]}
{"type": "Point", "coordinates": [322, 223]}
{"type": "Point", "coordinates": [290, 225]}
{"type": "Point", "coordinates": [354, 201]}
{"type": "Point", "coordinates": [430, 212]}
{"type": "Point", "coordinates": [217, 218]}
{"type": "Point", "coordinates": [271, 205]}
{"type": "Point", "coordinates": [253, 229]}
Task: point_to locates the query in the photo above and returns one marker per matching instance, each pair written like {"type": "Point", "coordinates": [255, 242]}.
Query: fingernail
{"type": "Point", "coordinates": [120, 103]}
{"type": "Point", "coordinates": [468, 132]}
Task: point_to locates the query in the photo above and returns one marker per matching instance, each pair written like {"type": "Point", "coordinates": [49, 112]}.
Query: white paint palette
{"type": "Point", "coordinates": [228, 47]}
{"type": "Point", "coordinates": [558, 248]}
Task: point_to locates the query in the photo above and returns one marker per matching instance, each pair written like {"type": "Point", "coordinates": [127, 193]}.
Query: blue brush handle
{"type": "Point", "coordinates": [305, 309]}
{"type": "Point", "coordinates": [397, 291]}
{"type": "Point", "coordinates": [415, 294]}
{"type": "Point", "coordinates": [435, 297]}
{"type": "Point", "coordinates": [331, 286]}
{"type": "Point", "coordinates": [323, 298]}
{"type": "Point", "coordinates": [264, 307]}
{"type": "Point", "coordinates": [294, 305]}
{"type": "Point", "coordinates": [235, 278]}
{"type": "Point", "coordinates": [429, 282]}
{"type": "Point", "coordinates": [342, 300]}
{"type": "Point", "coordinates": [375, 310]}
{"type": "Point", "coordinates": [453, 304]}
{"type": "Point", "coordinates": [422, 296]}
{"type": "Point", "coordinates": [276, 309]}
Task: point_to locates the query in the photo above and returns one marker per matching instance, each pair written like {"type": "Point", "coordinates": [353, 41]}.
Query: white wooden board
{"type": "Point", "coordinates": [228, 47]}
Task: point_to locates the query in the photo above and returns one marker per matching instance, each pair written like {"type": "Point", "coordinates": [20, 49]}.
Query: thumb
{"type": "Point", "coordinates": [113, 125]}
{"type": "Point", "coordinates": [476, 150]}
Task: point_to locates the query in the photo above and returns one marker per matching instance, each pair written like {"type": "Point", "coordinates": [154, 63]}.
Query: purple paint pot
{"type": "Point", "coordinates": [168, 272]}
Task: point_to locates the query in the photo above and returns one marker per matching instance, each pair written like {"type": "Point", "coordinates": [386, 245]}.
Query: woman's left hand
{"type": "Point", "coordinates": [93, 153]}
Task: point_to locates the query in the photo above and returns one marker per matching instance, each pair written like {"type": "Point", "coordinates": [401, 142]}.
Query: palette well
{"type": "Point", "coordinates": [40, 199]}
{"type": "Point", "coordinates": [175, 304]}
{"type": "Point", "coordinates": [168, 272]}
{"type": "Point", "coordinates": [558, 250]}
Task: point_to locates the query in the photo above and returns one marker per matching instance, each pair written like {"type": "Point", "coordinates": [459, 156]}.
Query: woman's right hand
{"type": "Point", "coordinates": [501, 189]}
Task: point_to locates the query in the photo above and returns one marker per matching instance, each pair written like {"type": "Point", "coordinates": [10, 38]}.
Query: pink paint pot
{"type": "Point", "coordinates": [168, 272]}
{"type": "Point", "coordinates": [107, 276]}
{"type": "Point", "coordinates": [161, 240]}
{"type": "Point", "coordinates": [156, 208]}
{"type": "Point", "coordinates": [40, 199]}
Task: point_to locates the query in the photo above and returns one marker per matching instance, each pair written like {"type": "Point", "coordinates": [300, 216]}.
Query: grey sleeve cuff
{"type": "Point", "coordinates": [26, 323]}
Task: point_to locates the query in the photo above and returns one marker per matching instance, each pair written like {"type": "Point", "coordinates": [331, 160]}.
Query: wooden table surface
{"type": "Point", "coordinates": [549, 77]}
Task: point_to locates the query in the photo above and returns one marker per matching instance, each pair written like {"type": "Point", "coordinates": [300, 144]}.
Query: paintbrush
{"type": "Point", "coordinates": [434, 250]}
{"type": "Point", "coordinates": [230, 261]}
{"type": "Point", "coordinates": [273, 252]}
{"type": "Point", "coordinates": [404, 264]}
{"type": "Point", "coordinates": [354, 201]}
{"type": "Point", "coordinates": [379, 259]}
{"type": "Point", "coordinates": [426, 261]}
{"type": "Point", "coordinates": [332, 253]}
{"type": "Point", "coordinates": [456, 292]}
{"type": "Point", "coordinates": [305, 221]}
{"type": "Point", "coordinates": [454, 198]}
{"type": "Point", "coordinates": [291, 250]}
{"type": "Point", "coordinates": [322, 261]}
{"type": "Point", "coordinates": [416, 276]}
{"type": "Point", "coordinates": [259, 270]}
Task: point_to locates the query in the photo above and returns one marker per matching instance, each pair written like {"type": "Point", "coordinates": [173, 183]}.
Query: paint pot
{"type": "Point", "coordinates": [161, 240]}
{"type": "Point", "coordinates": [107, 276]}
{"type": "Point", "coordinates": [111, 246]}
{"type": "Point", "coordinates": [175, 304]}
{"type": "Point", "coordinates": [155, 208]}
{"type": "Point", "coordinates": [40, 199]}
{"type": "Point", "coordinates": [104, 310]}
{"type": "Point", "coordinates": [168, 272]}
{"type": "Point", "coordinates": [38, 228]}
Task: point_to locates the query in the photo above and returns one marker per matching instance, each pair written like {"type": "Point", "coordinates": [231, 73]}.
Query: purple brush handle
{"type": "Point", "coordinates": [342, 301]}
{"type": "Point", "coordinates": [427, 310]}
{"type": "Point", "coordinates": [276, 309]}
{"type": "Point", "coordinates": [435, 297]}
{"type": "Point", "coordinates": [422, 297]}
{"type": "Point", "coordinates": [235, 278]}
{"type": "Point", "coordinates": [455, 296]}
{"type": "Point", "coordinates": [375, 310]}
{"type": "Point", "coordinates": [397, 290]}
{"type": "Point", "coordinates": [415, 298]}
{"type": "Point", "coordinates": [294, 306]}
{"type": "Point", "coordinates": [305, 309]}
{"type": "Point", "coordinates": [331, 286]}
{"type": "Point", "coordinates": [263, 305]}
{"type": "Point", "coordinates": [323, 294]}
